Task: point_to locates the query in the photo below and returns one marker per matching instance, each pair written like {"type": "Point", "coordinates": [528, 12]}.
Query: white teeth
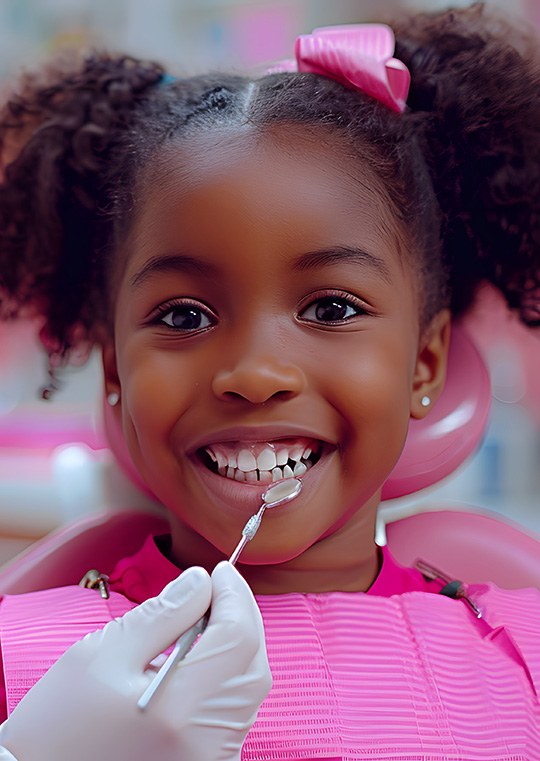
{"type": "Point", "coordinates": [299, 469]}
{"type": "Point", "coordinates": [282, 456]}
{"type": "Point", "coordinates": [296, 453]}
{"type": "Point", "coordinates": [260, 463]}
{"type": "Point", "coordinates": [221, 459]}
{"type": "Point", "coordinates": [266, 460]}
{"type": "Point", "coordinates": [246, 461]}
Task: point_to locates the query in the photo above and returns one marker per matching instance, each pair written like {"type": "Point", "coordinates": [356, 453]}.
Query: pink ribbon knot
{"type": "Point", "coordinates": [358, 56]}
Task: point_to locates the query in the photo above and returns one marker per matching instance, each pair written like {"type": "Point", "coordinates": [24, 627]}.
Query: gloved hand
{"type": "Point", "coordinates": [85, 707]}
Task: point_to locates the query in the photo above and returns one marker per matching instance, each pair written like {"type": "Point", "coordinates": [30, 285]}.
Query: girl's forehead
{"type": "Point", "coordinates": [271, 161]}
{"type": "Point", "coordinates": [280, 183]}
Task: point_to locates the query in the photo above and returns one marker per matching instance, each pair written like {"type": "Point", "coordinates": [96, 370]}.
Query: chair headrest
{"type": "Point", "coordinates": [442, 441]}
{"type": "Point", "coordinates": [435, 446]}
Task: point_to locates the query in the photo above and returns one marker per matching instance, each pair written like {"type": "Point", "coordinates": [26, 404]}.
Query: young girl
{"type": "Point", "coordinates": [271, 267]}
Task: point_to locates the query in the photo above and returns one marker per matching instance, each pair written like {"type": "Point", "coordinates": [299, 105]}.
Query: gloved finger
{"type": "Point", "coordinates": [5, 755]}
{"type": "Point", "coordinates": [233, 642]}
{"type": "Point", "coordinates": [144, 632]}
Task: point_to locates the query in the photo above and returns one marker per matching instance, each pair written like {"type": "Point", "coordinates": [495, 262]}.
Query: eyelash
{"type": "Point", "coordinates": [165, 309]}
{"type": "Point", "coordinates": [339, 296]}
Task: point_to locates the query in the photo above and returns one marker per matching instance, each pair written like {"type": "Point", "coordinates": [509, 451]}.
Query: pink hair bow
{"type": "Point", "coordinates": [358, 56]}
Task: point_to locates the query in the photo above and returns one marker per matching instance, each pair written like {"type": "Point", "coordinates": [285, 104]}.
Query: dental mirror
{"type": "Point", "coordinates": [281, 491]}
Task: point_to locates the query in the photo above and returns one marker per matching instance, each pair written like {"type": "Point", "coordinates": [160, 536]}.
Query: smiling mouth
{"type": "Point", "coordinates": [261, 462]}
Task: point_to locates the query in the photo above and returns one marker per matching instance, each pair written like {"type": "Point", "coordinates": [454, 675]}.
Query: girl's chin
{"type": "Point", "coordinates": [271, 548]}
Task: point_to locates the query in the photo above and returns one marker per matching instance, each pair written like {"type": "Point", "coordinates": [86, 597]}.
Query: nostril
{"type": "Point", "coordinates": [283, 395]}
{"type": "Point", "coordinates": [232, 395]}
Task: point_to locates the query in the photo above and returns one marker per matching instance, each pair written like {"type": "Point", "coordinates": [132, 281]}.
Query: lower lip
{"type": "Point", "coordinates": [239, 497]}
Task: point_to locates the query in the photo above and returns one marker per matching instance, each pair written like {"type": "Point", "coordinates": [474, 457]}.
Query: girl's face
{"type": "Point", "coordinates": [267, 324]}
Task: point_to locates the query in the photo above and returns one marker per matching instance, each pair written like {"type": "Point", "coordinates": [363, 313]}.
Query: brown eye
{"type": "Point", "coordinates": [184, 317]}
{"type": "Point", "coordinates": [331, 309]}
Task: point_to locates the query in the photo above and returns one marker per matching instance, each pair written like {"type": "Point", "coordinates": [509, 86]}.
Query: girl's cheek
{"type": "Point", "coordinates": [375, 377]}
{"type": "Point", "coordinates": [160, 388]}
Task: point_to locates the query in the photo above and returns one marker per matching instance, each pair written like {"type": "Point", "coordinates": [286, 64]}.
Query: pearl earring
{"type": "Point", "coordinates": [113, 398]}
{"type": "Point", "coordinates": [425, 401]}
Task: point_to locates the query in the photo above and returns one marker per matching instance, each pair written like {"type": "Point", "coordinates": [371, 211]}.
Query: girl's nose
{"type": "Point", "coordinates": [258, 380]}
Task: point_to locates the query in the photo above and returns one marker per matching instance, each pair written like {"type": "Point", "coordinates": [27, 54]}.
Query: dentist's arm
{"type": "Point", "coordinates": [85, 707]}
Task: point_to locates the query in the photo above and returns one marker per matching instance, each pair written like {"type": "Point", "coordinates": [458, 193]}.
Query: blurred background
{"type": "Point", "coordinates": [188, 35]}
{"type": "Point", "coordinates": [54, 466]}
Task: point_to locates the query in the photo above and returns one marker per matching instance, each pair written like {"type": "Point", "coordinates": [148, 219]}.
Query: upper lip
{"type": "Point", "coordinates": [251, 434]}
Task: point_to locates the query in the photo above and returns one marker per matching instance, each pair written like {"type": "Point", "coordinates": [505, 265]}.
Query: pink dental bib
{"type": "Point", "coordinates": [413, 676]}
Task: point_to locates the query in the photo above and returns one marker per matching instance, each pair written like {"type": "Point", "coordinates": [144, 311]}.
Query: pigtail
{"type": "Point", "coordinates": [475, 104]}
{"type": "Point", "coordinates": [57, 136]}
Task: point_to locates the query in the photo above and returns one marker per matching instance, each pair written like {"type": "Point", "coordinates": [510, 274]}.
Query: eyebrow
{"type": "Point", "coordinates": [183, 263]}
{"type": "Point", "coordinates": [175, 262]}
{"type": "Point", "coordinates": [342, 254]}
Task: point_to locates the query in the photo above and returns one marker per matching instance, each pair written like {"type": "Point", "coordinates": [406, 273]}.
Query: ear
{"type": "Point", "coordinates": [110, 373]}
{"type": "Point", "coordinates": [430, 370]}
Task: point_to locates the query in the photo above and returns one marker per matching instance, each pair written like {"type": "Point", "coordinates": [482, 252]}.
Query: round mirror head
{"type": "Point", "coordinates": [281, 491]}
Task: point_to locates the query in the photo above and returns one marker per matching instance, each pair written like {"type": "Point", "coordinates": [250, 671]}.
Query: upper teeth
{"type": "Point", "coordinates": [261, 457]}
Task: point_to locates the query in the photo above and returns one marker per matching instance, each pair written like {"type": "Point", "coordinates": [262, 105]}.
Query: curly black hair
{"type": "Point", "coordinates": [461, 166]}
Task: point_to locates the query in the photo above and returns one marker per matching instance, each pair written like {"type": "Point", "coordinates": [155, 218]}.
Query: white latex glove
{"type": "Point", "coordinates": [84, 708]}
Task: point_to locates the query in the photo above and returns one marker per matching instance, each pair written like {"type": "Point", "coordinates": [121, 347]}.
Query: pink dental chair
{"type": "Point", "coordinates": [468, 544]}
